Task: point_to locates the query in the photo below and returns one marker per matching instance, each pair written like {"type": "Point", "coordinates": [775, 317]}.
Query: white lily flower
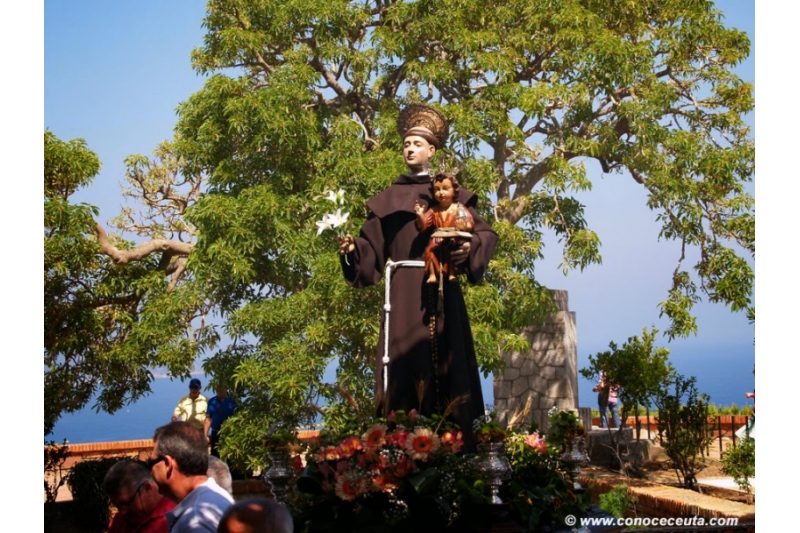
{"type": "Point", "coordinates": [338, 219]}
{"type": "Point", "coordinates": [324, 224]}
{"type": "Point", "coordinates": [332, 196]}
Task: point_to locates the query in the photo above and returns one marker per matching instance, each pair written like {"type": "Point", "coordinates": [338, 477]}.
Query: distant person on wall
{"type": "Point", "coordinates": [140, 507]}
{"type": "Point", "coordinates": [220, 408]}
{"type": "Point", "coordinates": [179, 464]}
{"type": "Point", "coordinates": [193, 407]}
{"type": "Point", "coordinates": [607, 400]}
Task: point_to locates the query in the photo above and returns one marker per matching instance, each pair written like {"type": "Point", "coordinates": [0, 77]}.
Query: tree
{"type": "Point", "coordinates": [683, 420]}
{"type": "Point", "coordinates": [536, 90]}
{"type": "Point", "coordinates": [106, 321]}
{"type": "Point", "coordinates": [640, 370]}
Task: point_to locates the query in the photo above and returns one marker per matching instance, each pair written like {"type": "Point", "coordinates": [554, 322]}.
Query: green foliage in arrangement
{"type": "Point", "coordinates": [564, 426]}
{"type": "Point", "coordinates": [683, 422]}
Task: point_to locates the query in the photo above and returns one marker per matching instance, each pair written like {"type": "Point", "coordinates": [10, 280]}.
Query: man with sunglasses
{"type": "Point", "coordinates": [140, 507]}
{"type": "Point", "coordinates": [179, 465]}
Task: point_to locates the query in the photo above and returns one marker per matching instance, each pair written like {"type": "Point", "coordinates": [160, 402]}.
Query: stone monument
{"type": "Point", "coordinates": [547, 373]}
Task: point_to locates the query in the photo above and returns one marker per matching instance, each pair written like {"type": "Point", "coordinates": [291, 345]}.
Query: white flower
{"type": "Point", "coordinates": [323, 224]}
{"type": "Point", "coordinates": [337, 219]}
{"type": "Point", "coordinates": [332, 221]}
{"type": "Point", "coordinates": [336, 197]}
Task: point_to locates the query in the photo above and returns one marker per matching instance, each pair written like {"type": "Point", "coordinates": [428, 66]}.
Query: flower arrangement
{"type": "Point", "coordinates": [409, 472]}
{"type": "Point", "coordinates": [539, 492]}
{"type": "Point", "coordinates": [396, 471]}
{"type": "Point", "coordinates": [488, 430]}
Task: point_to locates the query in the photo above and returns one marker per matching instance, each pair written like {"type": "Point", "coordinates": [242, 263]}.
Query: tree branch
{"type": "Point", "coordinates": [121, 257]}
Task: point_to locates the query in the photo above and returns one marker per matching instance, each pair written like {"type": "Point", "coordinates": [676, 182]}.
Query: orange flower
{"type": "Point", "coordinates": [349, 446]}
{"type": "Point", "coordinates": [375, 437]}
{"type": "Point", "coordinates": [421, 443]}
{"type": "Point", "coordinates": [454, 439]}
{"type": "Point", "coordinates": [327, 453]}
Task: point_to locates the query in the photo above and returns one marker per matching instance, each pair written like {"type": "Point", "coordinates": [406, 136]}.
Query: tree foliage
{"type": "Point", "coordinates": [106, 321]}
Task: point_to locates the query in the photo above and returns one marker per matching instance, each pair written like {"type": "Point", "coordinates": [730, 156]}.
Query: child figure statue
{"type": "Point", "coordinates": [453, 224]}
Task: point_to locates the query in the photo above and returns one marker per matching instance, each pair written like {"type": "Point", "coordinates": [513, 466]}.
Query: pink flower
{"type": "Point", "coordinates": [421, 443]}
{"type": "Point", "coordinates": [454, 439]}
{"type": "Point", "coordinates": [375, 437]}
{"type": "Point", "coordinates": [392, 416]}
{"type": "Point", "coordinates": [413, 415]}
{"type": "Point", "coordinates": [534, 441]}
{"type": "Point", "coordinates": [349, 446]}
{"type": "Point", "coordinates": [398, 438]}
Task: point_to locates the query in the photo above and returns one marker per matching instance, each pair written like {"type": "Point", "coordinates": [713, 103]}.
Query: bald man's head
{"type": "Point", "coordinates": [256, 515]}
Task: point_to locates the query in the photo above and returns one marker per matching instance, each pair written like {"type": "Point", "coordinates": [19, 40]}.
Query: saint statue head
{"type": "Point", "coordinates": [424, 130]}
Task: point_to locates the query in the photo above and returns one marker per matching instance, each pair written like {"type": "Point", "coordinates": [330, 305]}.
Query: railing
{"type": "Point", "coordinates": [719, 426]}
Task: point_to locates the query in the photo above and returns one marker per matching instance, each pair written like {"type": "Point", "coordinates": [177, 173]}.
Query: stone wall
{"type": "Point", "coordinates": [547, 373]}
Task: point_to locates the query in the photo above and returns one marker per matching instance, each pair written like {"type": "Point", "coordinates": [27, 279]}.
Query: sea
{"type": "Point", "coordinates": [725, 377]}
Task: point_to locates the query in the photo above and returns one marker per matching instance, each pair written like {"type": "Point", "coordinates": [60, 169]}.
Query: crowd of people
{"type": "Point", "coordinates": [182, 488]}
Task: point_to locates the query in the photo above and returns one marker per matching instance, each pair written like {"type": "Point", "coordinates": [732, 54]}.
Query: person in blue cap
{"type": "Point", "coordinates": [193, 407]}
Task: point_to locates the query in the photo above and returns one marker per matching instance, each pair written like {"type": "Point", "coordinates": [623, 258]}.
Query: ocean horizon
{"type": "Point", "coordinates": [724, 375]}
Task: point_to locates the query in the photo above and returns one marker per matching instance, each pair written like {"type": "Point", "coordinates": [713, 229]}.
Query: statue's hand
{"type": "Point", "coordinates": [460, 254]}
{"type": "Point", "coordinates": [346, 244]}
{"type": "Point", "coordinates": [418, 207]}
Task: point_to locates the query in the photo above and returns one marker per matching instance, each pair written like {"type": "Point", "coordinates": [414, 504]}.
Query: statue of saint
{"type": "Point", "coordinates": [432, 365]}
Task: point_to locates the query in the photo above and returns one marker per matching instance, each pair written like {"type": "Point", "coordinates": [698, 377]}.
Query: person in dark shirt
{"type": "Point", "coordinates": [220, 408]}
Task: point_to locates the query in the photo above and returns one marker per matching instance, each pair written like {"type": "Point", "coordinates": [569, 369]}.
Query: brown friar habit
{"type": "Point", "coordinates": [390, 233]}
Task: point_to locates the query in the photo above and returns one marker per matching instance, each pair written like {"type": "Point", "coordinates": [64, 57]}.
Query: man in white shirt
{"type": "Point", "coordinates": [179, 462]}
